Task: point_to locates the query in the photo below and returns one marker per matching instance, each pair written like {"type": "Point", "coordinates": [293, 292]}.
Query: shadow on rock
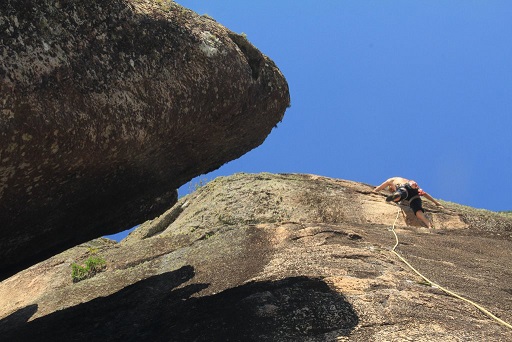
{"type": "Point", "coordinates": [292, 309]}
{"type": "Point", "coordinates": [19, 317]}
{"type": "Point", "coordinates": [134, 313]}
{"type": "Point", "coordinates": [154, 309]}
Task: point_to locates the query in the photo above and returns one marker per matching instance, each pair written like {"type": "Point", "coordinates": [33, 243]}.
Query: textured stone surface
{"type": "Point", "coordinates": [106, 107]}
{"type": "Point", "coordinates": [276, 258]}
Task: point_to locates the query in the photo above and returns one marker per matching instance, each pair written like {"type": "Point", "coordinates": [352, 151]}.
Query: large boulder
{"type": "Point", "coordinates": [276, 258]}
{"type": "Point", "coordinates": [106, 107]}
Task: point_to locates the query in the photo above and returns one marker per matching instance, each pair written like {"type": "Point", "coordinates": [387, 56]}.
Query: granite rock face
{"type": "Point", "coordinates": [264, 257]}
{"type": "Point", "coordinates": [106, 107]}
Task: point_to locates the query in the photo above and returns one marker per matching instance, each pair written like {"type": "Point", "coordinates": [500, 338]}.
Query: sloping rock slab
{"type": "Point", "coordinates": [275, 258]}
{"type": "Point", "coordinates": [106, 107]}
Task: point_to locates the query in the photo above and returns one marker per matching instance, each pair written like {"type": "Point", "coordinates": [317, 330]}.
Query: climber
{"type": "Point", "coordinates": [405, 189]}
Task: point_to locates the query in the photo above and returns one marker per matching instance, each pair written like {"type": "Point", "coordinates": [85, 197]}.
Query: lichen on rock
{"type": "Point", "coordinates": [108, 106]}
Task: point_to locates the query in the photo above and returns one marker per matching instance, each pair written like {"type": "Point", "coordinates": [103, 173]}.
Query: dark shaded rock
{"type": "Point", "coordinates": [286, 310]}
{"type": "Point", "coordinates": [106, 107]}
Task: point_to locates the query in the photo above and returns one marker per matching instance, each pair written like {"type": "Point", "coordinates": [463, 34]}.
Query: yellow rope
{"type": "Point", "coordinates": [440, 287]}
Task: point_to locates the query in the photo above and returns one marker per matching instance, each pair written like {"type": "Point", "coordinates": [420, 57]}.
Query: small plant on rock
{"type": "Point", "coordinates": [94, 264]}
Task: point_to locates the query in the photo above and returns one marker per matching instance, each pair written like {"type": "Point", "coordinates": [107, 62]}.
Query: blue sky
{"type": "Point", "coordinates": [419, 89]}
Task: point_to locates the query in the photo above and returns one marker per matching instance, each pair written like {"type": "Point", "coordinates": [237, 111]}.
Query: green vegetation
{"type": "Point", "coordinates": [94, 264]}
{"type": "Point", "coordinates": [424, 283]}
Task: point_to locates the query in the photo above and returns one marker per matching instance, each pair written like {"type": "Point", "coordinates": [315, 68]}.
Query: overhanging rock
{"type": "Point", "coordinates": [106, 107]}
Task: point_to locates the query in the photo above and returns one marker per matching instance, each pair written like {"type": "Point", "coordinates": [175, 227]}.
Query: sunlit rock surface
{"type": "Point", "coordinates": [264, 257]}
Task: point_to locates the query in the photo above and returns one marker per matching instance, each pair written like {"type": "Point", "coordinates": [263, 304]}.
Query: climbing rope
{"type": "Point", "coordinates": [485, 311]}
